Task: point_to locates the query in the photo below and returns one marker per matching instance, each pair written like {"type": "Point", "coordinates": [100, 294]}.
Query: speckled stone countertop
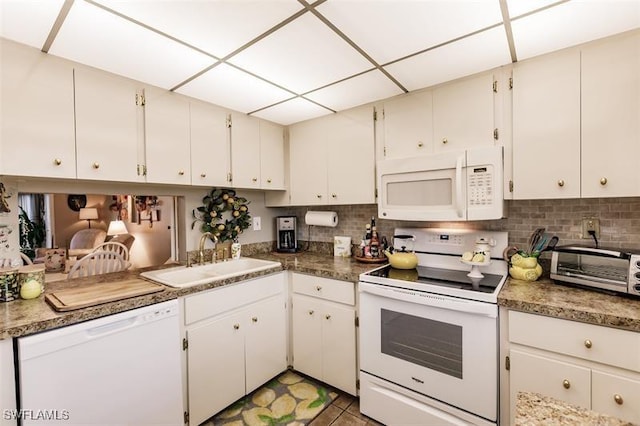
{"type": "Point", "coordinates": [544, 297]}
{"type": "Point", "coordinates": [533, 409]}
{"type": "Point", "coordinates": [22, 317]}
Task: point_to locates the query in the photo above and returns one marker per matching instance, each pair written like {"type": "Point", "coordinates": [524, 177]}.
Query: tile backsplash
{"type": "Point", "coordinates": [619, 221]}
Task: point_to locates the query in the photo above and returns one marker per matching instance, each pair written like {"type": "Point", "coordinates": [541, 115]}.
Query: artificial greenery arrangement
{"type": "Point", "coordinates": [223, 214]}
{"type": "Point", "coordinates": [32, 234]}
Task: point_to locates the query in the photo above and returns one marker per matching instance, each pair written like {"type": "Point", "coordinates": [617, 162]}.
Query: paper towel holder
{"type": "Point", "coordinates": [321, 218]}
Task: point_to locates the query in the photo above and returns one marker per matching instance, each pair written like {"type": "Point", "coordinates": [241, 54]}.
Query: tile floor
{"type": "Point", "coordinates": [343, 411]}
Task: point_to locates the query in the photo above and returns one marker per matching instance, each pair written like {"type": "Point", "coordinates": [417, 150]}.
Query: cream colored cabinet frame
{"type": "Point", "coordinates": [323, 330]}
{"type": "Point", "coordinates": [37, 135]}
{"type": "Point", "coordinates": [210, 145]}
{"type": "Point", "coordinates": [408, 125]}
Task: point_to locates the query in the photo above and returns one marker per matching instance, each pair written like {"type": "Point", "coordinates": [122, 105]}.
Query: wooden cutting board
{"type": "Point", "coordinates": [96, 294]}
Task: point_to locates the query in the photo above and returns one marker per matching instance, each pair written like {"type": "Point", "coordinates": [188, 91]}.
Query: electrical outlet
{"type": "Point", "coordinates": [257, 223]}
{"type": "Point", "coordinates": [590, 224]}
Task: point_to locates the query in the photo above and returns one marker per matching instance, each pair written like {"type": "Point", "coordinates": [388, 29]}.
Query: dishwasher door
{"type": "Point", "coordinates": [116, 370]}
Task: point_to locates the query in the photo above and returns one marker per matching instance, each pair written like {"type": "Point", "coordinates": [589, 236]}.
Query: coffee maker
{"type": "Point", "coordinates": [286, 237]}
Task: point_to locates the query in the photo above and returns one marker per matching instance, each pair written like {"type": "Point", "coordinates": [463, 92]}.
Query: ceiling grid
{"type": "Point", "coordinates": [292, 60]}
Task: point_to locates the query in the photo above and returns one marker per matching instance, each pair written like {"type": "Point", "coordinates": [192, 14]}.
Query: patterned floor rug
{"type": "Point", "coordinates": [290, 399]}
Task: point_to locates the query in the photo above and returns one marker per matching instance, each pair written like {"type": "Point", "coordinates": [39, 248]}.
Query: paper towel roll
{"type": "Point", "coordinates": [321, 218]}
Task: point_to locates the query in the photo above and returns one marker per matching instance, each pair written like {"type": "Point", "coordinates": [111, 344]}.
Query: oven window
{"type": "Point", "coordinates": [425, 342]}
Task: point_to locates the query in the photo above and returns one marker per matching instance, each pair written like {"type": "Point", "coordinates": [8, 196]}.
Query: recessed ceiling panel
{"type": "Point", "coordinates": [28, 21]}
{"type": "Point", "coordinates": [103, 40]}
{"type": "Point", "coordinates": [292, 111]}
{"type": "Point", "coordinates": [302, 56]}
{"type": "Point", "coordinates": [227, 86]}
{"type": "Point", "coordinates": [470, 55]}
{"type": "Point", "coordinates": [520, 7]}
{"type": "Point", "coordinates": [216, 26]}
{"type": "Point", "coordinates": [365, 88]}
{"type": "Point", "coordinates": [573, 23]}
{"type": "Point", "coordinates": [390, 29]}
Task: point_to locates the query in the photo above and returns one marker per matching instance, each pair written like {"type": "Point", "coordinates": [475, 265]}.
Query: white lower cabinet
{"type": "Point", "coordinates": [590, 366]}
{"type": "Point", "coordinates": [236, 341]}
{"type": "Point", "coordinates": [324, 330]}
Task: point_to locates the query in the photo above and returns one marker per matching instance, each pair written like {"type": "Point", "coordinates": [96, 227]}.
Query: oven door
{"type": "Point", "coordinates": [442, 347]}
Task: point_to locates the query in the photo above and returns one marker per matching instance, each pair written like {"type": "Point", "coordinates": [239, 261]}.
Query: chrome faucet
{"type": "Point", "coordinates": [203, 240]}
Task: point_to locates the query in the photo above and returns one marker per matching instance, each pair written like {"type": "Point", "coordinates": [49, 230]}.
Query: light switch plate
{"type": "Point", "coordinates": [257, 223]}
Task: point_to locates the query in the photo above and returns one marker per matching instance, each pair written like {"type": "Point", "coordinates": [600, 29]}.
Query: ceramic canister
{"type": "Point", "coordinates": [32, 272]}
{"type": "Point", "coordinates": [9, 288]}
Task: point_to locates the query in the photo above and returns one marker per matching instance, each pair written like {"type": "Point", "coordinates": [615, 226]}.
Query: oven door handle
{"type": "Point", "coordinates": [430, 299]}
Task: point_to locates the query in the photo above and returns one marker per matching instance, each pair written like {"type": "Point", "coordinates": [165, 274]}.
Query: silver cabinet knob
{"type": "Point", "coordinates": [310, 312]}
{"type": "Point", "coordinates": [420, 144]}
{"type": "Point", "coordinates": [561, 183]}
{"type": "Point", "coordinates": [203, 175]}
{"type": "Point", "coordinates": [319, 196]}
{"type": "Point", "coordinates": [618, 399]}
{"type": "Point", "coordinates": [328, 316]}
{"type": "Point", "coordinates": [236, 326]}
{"type": "Point", "coordinates": [254, 319]}
{"type": "Point", "coordinates": [588, 343]}
{"type": "Point", "coordinates": [181, 172]}
{"type": "Point", "coordinates": [603, 181]}
{"type": "Point", "coordinates": [318, 287]}
{"type": "Point", "coordinates": [57, 161]}
{"type": "Point", "coordinates": [96, 165]}
{"type": "Point", "coordinates": [269, 180]}
{"type": "Point", "coordinates": [445, 141]}
{"type": "Point", "coordinates": [566, 384]}
{"type": "Point", "coordinates": [334, 195]}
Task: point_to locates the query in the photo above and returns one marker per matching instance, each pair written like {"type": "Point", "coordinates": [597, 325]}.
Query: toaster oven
{"type": "Point", "coordinates": [609, 269]}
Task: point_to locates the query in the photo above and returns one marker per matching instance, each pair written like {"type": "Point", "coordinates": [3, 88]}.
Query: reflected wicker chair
{"type": "Point", "coordinates": [97, 263]}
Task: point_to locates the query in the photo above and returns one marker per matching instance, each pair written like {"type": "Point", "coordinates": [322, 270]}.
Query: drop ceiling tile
{"type": "Point", "coordinates": [520, 7]}
{"type": "Point", "coordinates": [215, 26]}
{"type": "Point", "coordinates": [365, 88]}
{"type": "Point", "coordinates": [302, 56]}
{"type": "Point", "coordinates": [28, 21]}
{"type": "Point", "coordinates": [470, 55]}
{"type": "Point", "coordinates": [292, 111]}
{"type": "Point", "coordinates": [389, 30]}
{"type": "Point", "coordinates": [573, 23]}
{"type": "Point", "coordinates": [227, 86]}
{"type": "Point", "coordinates": [103, 40]}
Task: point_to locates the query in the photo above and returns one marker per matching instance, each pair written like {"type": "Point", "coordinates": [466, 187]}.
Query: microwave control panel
{"type": "Point", "coordinates": [480, 186]}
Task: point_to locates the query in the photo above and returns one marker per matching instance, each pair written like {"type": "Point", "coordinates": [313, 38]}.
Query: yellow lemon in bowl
{"type": "Point", "coordinates": [30, 289]}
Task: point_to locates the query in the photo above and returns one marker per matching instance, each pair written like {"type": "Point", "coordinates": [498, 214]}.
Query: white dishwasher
{"type": "Point", "coordinates": [117, 370]}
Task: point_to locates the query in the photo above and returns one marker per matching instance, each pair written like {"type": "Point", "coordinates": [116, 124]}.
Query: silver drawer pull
{"type": "Point", "coordinates": [588, 343]}
{"type": "Point", "coordinates": [618, 399]}
{"type": "Point", "coordinates": [566, 384]}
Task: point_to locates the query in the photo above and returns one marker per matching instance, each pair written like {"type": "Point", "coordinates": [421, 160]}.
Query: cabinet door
{"type": "Point", "coordinates": [611, 118]}
{"type": "Point", "coordinates": [308, 161]}
{"type": "Point", "coordinates": [616, 396]}
{"type": "Point", "coordinates": [560, 380]}
{"type": "Point", "coordinates": [265, 341]}
{"type": "Point", "coordinates": [245, 151]}
{"type": "Point", "coordinates": [36, 113]}
{"type": "Point", "coordinates": [307, 336]}
{"type": "Point", "coordinates": [210, 149]}
{"type": "Point", "coordinates": [463, 114]}
{"type": "Point", "coordinates": [167, 134]}
{"type": "Point", "coordinates": [271, 155]}
{"type": "Point", "coordinates": [108, 121]}
{"type": "Point", "coordinates": [546, 127]}
{"type": "Point", "coordinates": [339, 346]}
{"type": "Point", "coordinates": [351, 158]}
{"type": "Point", "coordinates": [215, 361]}
{"type": "Point", "coordinates": [408, 125]}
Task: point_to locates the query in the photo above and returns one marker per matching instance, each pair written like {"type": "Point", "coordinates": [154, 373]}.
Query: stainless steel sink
{"type": "Point", "coordinates": [181, 276]}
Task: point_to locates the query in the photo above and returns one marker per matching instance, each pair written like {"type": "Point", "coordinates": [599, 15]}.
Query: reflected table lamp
{"type": "Point", "coordinates": [116, 227]}
{"type": "Point", "coordinates": [88, 214]}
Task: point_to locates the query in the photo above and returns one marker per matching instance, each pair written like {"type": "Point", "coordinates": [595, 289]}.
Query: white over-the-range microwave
{"type": "Point", "coordinates": [447, 186]}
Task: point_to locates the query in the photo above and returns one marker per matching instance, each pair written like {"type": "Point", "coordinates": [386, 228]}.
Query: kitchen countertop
{"type": "Point", "coordinates": [533, 409]}
{"type": "Point", "coordinates": [544, 297]}
{"type": "Point", "coordinates": [21, 317]}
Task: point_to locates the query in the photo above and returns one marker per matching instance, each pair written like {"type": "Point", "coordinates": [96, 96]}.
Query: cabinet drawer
{"type": "Point", "coordinates": [606, 345]}
{"type": "Point", "coordinates": [324, 288]}
{"type": "Point", "coordinates": [616, 396]}
{"type": "Point", "coordinates": [550, 377]}
{"type": "Point", "coordinates": [219, 300]}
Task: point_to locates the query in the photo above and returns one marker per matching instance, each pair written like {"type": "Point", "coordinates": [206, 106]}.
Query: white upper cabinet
{"type": "Point", "coordinates": [245, 151]}
{"type": "Point", "coordinates": [332, 159]}
{"type": "Point", "coordinates": [463, 114]}
{"type": "Point", "coordinates": [167, 137]}
{"type": "Point", "coordinates": [408, 125]}
{"type": "Point", "coordinates": [271, 155]}
{"type": "Point", "coordinates": [210, 149]}
{"type": "Point", "coordinates": [108, 127]}
{"type": "Point", "coordinates": [37, 113]}
{"type": "Point", "coordinates": [546, 127]}
{"type": "Point", "coordinates": [351, 158]}
{"type": "Point", "coordinates": [611, 118]}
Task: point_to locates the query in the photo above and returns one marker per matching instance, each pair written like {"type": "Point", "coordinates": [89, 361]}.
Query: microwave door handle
{"type": "Point", "coordinates": [459, 198]}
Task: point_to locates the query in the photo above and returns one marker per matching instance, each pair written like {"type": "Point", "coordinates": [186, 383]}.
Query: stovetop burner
{"type": "Point", "coordinates": [441, 277]}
